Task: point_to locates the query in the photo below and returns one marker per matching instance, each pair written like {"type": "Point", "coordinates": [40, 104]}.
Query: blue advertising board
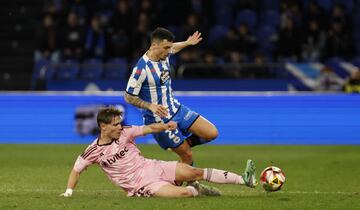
{"type": "Point", "coordinates": [258, 118]}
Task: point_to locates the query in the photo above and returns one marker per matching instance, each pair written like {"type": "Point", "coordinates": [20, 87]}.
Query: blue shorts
{"type": "Point", "coordinates": [184, 117]}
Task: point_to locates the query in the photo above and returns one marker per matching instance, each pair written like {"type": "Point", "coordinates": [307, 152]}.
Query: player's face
{"type": "Point", "coordinates": [113, 129]}
{"type": "Point", "coordinates": [162, 49]}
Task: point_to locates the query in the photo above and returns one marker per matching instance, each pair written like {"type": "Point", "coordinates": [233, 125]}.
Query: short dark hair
{"type": "Point", "coordinates": [161, 34]}
{"type": "Point", "coordinates": [106, 114]}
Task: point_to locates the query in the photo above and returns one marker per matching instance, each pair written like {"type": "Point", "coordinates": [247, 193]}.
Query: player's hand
{"type": "Point", "coordinates": [67, 193]}
{"type": "Point", "coordinates": [160, 110]}
{"type": "Point", "coordinates": [194, 39]}
{"type": "Point", "coordinates": [171, 125]}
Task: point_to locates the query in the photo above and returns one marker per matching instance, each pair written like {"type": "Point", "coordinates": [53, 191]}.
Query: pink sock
{"type": "Point", "coordinates": [222, 177]}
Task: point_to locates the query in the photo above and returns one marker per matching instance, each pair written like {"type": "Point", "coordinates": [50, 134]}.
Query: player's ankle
{"type": "Point", "coordinates": [194, 192]}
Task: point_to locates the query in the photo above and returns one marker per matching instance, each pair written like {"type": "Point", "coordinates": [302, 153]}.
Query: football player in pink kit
{"type": "Point", "coordinates": [116, 153]}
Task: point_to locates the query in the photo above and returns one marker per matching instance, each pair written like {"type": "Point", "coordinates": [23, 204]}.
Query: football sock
{"type": "Point", "coordinates": [193, 190]}
{"type": "Point", "coordinates": [222, 177]}
{"type": "Point", "coordinates": [194, 140]}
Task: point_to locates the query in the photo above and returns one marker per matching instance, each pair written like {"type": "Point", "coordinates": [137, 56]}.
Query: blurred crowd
{"type": "Point", "coordinates": [234, 31]}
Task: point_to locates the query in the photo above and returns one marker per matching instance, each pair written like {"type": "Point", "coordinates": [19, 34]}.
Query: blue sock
{"type": "Point", "coordinates": [194, 140]}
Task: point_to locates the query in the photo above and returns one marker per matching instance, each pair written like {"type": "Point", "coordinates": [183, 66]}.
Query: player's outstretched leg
{"type": "Point", "coordinates": [184, 151]}
{"type": "Point", "coordinates": [171, 191]}
{"type": "Point", "coordinates": [226, 177]}
{"type": "Point", "coordinates": [187, 173]}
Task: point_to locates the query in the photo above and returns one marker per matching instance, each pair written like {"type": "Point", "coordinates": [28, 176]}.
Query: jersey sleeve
{"type": "Point", "coordinates": [137, 131]}
{"type": "Point", "coordinates": [136, 80]}
{"type": "Point", "coordinates": [133, 132]}
{"type": "Point", "coordinates": [85, 159]}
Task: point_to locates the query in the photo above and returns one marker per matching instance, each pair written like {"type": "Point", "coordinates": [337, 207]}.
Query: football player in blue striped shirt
{"type": "Point", "coordinates": [149, 88]}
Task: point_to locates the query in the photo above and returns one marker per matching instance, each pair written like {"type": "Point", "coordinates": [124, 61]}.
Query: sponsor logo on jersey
{"type": "Point", "coordinates": [164, 77]}
{"type": "Point", "coordinates": [133, 83]}
{"type": "Point", "coordinates": [116, 157]}
{"type": "Point", "coordinates": [188, 115]}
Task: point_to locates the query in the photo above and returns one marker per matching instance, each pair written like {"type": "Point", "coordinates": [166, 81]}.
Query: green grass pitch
{"type": "Point", "coordinates": [318, 177]}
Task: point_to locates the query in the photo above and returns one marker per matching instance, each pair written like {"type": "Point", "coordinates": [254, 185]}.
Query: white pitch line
{"type": "Point", "coordinates": [225, 191]}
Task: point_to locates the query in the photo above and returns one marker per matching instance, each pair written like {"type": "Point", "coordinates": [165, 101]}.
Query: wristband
{"type": "Point", "coordinates": [68, 191]}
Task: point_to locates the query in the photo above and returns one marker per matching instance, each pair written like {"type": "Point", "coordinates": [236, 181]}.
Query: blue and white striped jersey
{"type": "Point", "coordinates": [151, 82]}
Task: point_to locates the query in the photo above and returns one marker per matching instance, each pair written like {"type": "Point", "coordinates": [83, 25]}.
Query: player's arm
{"type": "Point", "coordinates": [192, 40]}
{"type": "Point", "coordinates": [159, 127]}
{"type": "Point", "coordinates": [80, 165]}
{"type": "Point", "coordinates": [160, 110]}
{"type": "Point", "coordinates": [72, 181]}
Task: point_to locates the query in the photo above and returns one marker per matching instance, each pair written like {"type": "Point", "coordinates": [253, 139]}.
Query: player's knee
{"type": "Point", "coordinates": [211, 134]}
{"type": "Point", "coordinates": [196, 174]}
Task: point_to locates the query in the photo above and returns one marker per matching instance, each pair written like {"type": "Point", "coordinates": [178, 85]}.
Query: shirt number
{"type": "Point", "coordinates": [172, 136]}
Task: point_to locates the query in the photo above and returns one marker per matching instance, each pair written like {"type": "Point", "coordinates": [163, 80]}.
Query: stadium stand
{"type": "Point", "coordinates": [92, 69]}
{"type": "Point", "coordinates": [116, 68]}
{"type": "Point", "coordinates": [115, 34]}
{"type": "Point", "coordinates": [17, 43]}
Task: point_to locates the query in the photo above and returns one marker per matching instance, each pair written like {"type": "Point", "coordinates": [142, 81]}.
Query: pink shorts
{"type": "Point", "coordinates": [157, 174]}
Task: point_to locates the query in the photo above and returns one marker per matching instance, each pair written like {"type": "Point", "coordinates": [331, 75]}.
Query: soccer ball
{"type": "Point", "coordinates": [272, 178]}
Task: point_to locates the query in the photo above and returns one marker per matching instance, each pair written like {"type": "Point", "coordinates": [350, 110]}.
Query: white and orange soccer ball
{"type": "Point", "coordinates": [272, 178]}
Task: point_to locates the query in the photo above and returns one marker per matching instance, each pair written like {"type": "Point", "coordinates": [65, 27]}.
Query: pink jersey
{"type": "Point", "coordinates": [121, 160]}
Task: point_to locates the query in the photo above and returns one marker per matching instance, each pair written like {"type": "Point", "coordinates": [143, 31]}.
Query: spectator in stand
{"type": "Point", "coordinates": [257, 69]}
{"type": "Point", "coordinates": [193, 23]}
{"type": "Point", "coordinates": [261, 70]}
{"type": "Point", "coordinates": [47, 41]}
{"type": "Point", "coordinates": [291, 9]}
{"type": "Point", "coordinates": [213, 69]}
{"type": "Point", "coordinates": [314, 41]}
{"type": "Point", "coordinates": [73, 38]}
{"type": "Point", "coordinates": [79, 8]}
{"type": "Point", "coordinates": [95, 40]}
{"type": "Point", "coordinates": [121, 31]}
{"type": "Point", "coordinates": [148, 8]}
{"type": "Point", "coordinates": [205, 10]}
{"type": "Point", "coordinates": [189, 56]}
{"type": "Point", "coordinates": [236, 44]}
{"type": "Point", "coordinates": [141, 35]}
{"type": "Point", "coordinates": [339, 15]}
{"type": "Point", "coordinates": [338, 41]}
{"type": "Point", "coordinates": [289, 40]}
{"type": "Point", "coordinates": [246, 41]}
{"type": "Point", "coordinates": [230, 47]}
{"type": "Point", "coordinates": [300, 35]}
{"type": "Point", "coordinates": [229, 44]}
{"type": "Point", "coordinates": [315, 12]}
{"type": "Point", "coordinates": [236, 59]}
{"type": "Point", "coordinates": [53, 8]}
{"type": "Point", "coordinates": [184, 58]}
